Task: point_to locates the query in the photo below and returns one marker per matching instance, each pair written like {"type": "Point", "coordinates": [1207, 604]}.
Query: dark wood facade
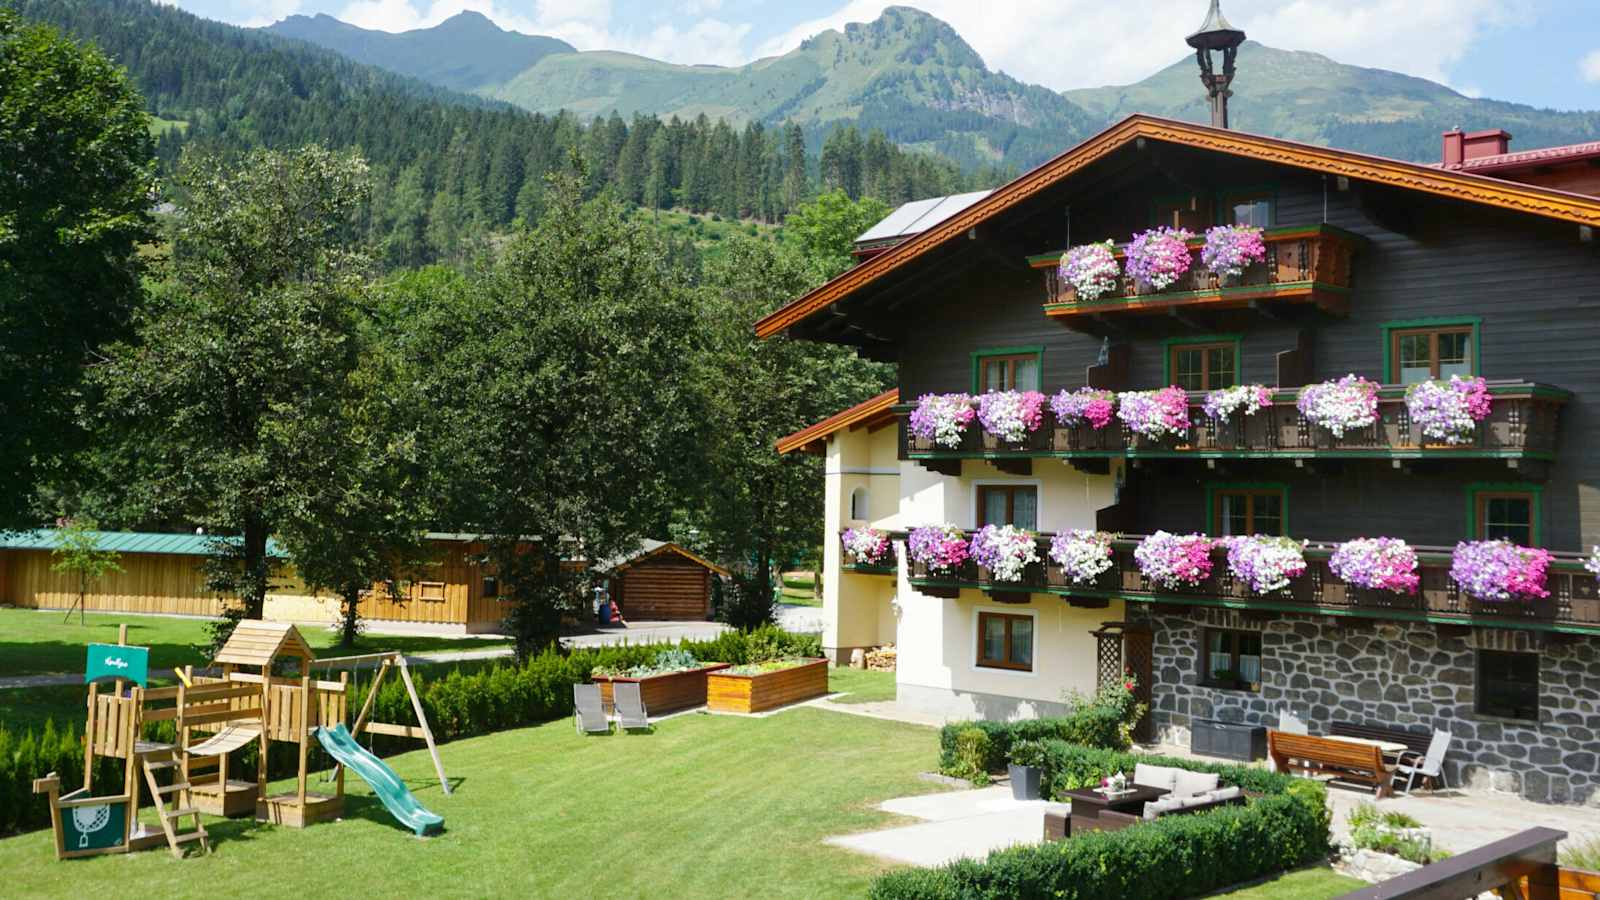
{"type": "Point", "coordinates": [664, 585]}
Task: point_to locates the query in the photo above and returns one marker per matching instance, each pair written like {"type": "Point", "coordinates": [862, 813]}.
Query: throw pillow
{"type": "Point", "coordinates": [1189, 783]}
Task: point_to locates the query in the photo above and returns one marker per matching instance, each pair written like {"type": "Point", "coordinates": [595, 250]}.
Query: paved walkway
{"type": "Point", "coordinates": [955, 824]}
{"type": "Point", "coordinates": [1462, 820]}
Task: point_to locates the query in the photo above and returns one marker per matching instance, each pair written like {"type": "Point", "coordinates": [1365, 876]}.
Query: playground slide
{"type": "Point", "coordinates": [396, 797]}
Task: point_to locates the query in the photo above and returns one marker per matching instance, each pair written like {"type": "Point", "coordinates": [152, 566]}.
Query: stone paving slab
{"type": "Point", "coordinates": [959, 824]}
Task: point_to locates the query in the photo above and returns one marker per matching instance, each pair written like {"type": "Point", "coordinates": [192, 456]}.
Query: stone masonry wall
{"type": "Point", "coordinates": [1405, 674]}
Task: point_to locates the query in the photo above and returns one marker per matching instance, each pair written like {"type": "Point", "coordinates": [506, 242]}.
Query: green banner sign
{"type": "Point", "coordinates": [116, 661]}
{"type": "Point", "coordinates": [92, 827]}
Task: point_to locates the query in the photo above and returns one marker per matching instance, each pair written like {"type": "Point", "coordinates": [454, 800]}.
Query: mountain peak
{"type": "Point", "coordinates": [469, 20]}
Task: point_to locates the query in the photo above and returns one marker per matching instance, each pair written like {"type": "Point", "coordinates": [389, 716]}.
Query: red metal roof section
{"type": "Point", "coordinates": [812, 438]}
{"type": "Point", "coordinates": [1545, 156]}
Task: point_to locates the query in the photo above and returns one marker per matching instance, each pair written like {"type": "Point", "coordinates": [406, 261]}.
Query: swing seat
{"type": "Point", "coordinates": [226, 741]}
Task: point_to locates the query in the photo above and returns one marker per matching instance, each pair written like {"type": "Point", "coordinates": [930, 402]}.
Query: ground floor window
{"type": "Point", "coordinates": [1230, 659]}
{"type": "Point", "coordinates": [1005, 641]}
{"type": "Point", "coordinates": [1508, 684]}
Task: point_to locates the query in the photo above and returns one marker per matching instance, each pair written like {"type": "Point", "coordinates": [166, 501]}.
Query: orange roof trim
{"type": "Point", "coordinates": [812, 438]}
{"type": "Point", "coordinates": [1461, 185]}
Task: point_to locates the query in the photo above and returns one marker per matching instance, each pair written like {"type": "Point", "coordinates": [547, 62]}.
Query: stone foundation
{"type": "Point", "coordinates": [1406, 675]}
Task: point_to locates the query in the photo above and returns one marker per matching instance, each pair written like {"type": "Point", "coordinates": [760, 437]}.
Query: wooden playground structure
{"type": "Point", "coordinates": [249, 702]}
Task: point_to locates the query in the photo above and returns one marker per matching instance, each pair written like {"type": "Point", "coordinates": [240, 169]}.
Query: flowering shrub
{"type": "Point", "coordinates": [1160, 256]}
{"type": "Point", "coordinates": [1378, 564]}
{"type": "Point", "coordinates": [1086, 404]}
{"type": "Point", "coordinates": [1005, 550]}
{"type": "Point", "coordinates": [1155, 414]}
{"type": "Point", "coordinates": [1251, 398]}
{"type": "Point", "coordinates": [1229, 248]}
{"type": "Point", "coordinates": [1593, 562]}
{"type": "Point", "coordinates": [1449, 411]}
{"type": "Point", "coordinates": [1265, 563]}
{"type": "Point", "coordinates": [1339, 406]}
{"type": "Point", "coordinates": [1011, 415]}
{"type": "Point", "coordinates": [941, 548]}
{"type": "Point", "coordinates": [1499, 570]}
{"type": "Point", "coordinates": [941, 418]}
{"type": "Point", "coordinates": [1091, 269]}
{"type": "Point", "coordinates": [1083, 555]}
{"type": "Point", "coordinates": [1175, 560]}
{"type": "Point", "coordinates": [867, 545]}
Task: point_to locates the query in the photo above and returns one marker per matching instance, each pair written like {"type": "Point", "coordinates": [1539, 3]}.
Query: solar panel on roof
{"type": "Point", "coordinates": [919, 216]}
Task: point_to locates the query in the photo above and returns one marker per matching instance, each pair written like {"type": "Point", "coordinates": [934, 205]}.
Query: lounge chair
{"type": "Point", "coordinates": [1414, 765]}
{"type": "Point", "coordinates": [630, 705]}
{"type": "Point", "coordinates": [588, 712]}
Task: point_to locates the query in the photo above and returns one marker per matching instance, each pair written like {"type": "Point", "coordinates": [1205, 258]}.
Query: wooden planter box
{"type": "Point", "coordinates": [754, 693]}
{"type": "Point", "coordinates": [665, 693]}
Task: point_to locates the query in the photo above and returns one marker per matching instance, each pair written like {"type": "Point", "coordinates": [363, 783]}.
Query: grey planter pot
{"type": "Point", "coordinates": [1024, 781]}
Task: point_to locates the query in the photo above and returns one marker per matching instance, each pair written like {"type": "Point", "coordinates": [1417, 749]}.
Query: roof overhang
{"type": "Point", "coordinates": [1454, 184]}
{"type": "Point", "coordinates": [814, 438]}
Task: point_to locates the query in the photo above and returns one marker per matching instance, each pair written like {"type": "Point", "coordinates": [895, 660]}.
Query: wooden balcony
{"type": "Point", "coordinates": [1304, 265]}
{"type": "Point", "coordinates": [1522, 425]}
{"type": "Point", "coordinates": [1572, 607]}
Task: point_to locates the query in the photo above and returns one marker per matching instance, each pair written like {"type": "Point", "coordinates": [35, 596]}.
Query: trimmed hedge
{"type": "Point", "coordinates": [1092, 725]}
{"type": "Point", "coordinates": [1172, 857]}
{"type": "Point", "coordinates": [1070, 766]}
{"type": "Point", "coordinates": [468, 700]}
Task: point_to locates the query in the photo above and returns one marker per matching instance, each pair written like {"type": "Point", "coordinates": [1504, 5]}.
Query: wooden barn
{"type": "Point", "coordinates": [662, 582]}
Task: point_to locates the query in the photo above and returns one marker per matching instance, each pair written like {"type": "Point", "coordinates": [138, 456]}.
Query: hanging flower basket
{"type": "Point", "coordinates": [939, 550]}
{"type": "Point", "coordinates": [1005, 551]}
{"type": "Point", "coordinates": [1231, 248]}
{"type": "Point", "coordinates": [1091, 270]}
{"type": "Point", "coordinates": [1082, 555]}
{"type": "Point", "coordinates": [1449, 411]}
{"type": "Point", "coordinates": [1155, 414]}
{"type": "Point", "coordinates": [940, 419]}
{"type": "Point", "coordinates": [1246, 398]}
{"type": "Point", "coordinates": [1347, 404]}
{"type": "Point", "coordinates": [1159, 258]}
{"type": "Point", "coordinates": [1265, 564]}
{"type": "Point", "coordinates": [866, 546]}
{"type": "Point", "coordinates": [1086, 404]}
{"type": "Point", "coordinates": [1010, 416]}
{"type": "Point", "coordinates": [1377, 564]}
{"type": "Point", "coordinates": [1175, 561]}
{"type": "Point", "coordinates": [1495, 571]}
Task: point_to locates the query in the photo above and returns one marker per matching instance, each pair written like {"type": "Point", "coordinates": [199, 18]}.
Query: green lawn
{"type": "Point", "coordinates": [39, 643]}
{"type": "Point", "coordinates": [706, 806]}
{"type": "Point", "coordinates": [799, 589]}
{"type": "Point", "coordinates": [860, 685]}
{"type": "Point", "coordinates": [1317, 883]}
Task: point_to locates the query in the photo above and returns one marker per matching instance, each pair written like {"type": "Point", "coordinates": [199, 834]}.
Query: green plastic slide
{"type": "Point", "coordinates": [396, 797]}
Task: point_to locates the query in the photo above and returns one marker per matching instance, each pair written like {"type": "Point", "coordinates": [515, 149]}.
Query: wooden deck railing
{"type": "Point", "coordinates": [1523, 864]}
{"type": "Point", "coordinates": [1573, 604]}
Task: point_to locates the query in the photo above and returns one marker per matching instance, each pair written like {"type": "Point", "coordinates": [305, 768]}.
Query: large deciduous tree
{"type": "Point", "coordinates": [77, 177]}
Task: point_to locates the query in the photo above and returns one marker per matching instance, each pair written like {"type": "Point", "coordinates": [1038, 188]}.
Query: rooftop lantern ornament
{"type": "Point", "coordinates": [1216, 34]}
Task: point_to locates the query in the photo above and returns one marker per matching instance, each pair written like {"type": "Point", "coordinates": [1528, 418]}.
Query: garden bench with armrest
{"type": "Point", "coordinates": [1311, 755]}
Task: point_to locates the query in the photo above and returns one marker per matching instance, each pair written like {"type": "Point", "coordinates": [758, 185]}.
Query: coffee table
{"type": "Point", "coordinates": [1087, 804]}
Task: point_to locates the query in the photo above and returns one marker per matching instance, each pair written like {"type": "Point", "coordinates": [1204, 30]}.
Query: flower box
{"type": "Point", "coordinates": [750, 693]}
{"type": "Point", "coordinates": [667, 692]}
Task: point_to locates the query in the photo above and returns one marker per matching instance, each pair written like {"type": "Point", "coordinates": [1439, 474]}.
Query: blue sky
{"type": "Point", "coordinates": [1543, 52]}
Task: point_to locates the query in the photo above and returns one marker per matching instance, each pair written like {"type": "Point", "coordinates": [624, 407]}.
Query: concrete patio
{"type": "Point", "coordinates": [955, 824]}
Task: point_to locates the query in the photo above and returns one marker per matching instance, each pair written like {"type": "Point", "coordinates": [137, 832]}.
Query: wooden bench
{"type": "Point", "coordinates": [1312, 755]}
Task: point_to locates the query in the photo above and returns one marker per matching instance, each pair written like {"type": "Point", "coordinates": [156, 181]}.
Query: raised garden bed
{"type": "Point", "coordinates": [748, 692]}
{"type": "Point", "coordinates": [668, 692]}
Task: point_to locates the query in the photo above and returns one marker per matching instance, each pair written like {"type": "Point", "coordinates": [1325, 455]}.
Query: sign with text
{"type": "Point", "coordinates": [117, 661]}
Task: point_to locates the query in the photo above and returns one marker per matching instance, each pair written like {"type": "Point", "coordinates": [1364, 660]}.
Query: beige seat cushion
{"type": "Point", "coordinates": [1157, 808]}
{"type": "Point", "coordinates": [1187, 783]}
{"type": "Point", "coordinates": [1227, 793]}
{"type": "Point", "coordinates": [1155, 776]}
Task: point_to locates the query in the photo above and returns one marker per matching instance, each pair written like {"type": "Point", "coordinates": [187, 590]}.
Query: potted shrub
{"type": "Point", "coordinates": [1025, 766]}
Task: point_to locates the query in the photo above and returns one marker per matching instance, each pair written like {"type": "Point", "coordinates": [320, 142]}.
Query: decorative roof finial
{"type": "Point", "coordinates": [1217, 34]}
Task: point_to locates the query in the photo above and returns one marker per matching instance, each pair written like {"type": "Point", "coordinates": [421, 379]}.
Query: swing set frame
{"type": "Point", "coordinates": [388, 659]}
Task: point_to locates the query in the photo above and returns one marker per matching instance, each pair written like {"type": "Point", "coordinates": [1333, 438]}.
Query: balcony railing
{"type": "Point", "coordinates": [1521, 425]}
{"type": "Point", "coordinates": [1573, 604]}
{"type": "Point", "coordinates": [1305, 264]}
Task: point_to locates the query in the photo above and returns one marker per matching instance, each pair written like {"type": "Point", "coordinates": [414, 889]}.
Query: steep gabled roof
{"type": "Point", "coordinates": [1459, 185]}
{"type": "Point", "coordinates": [812, 438]}
{"type": "Point", "coordinates": [258, 643]}
{"type": "Point", "coordinates": [650, 549]}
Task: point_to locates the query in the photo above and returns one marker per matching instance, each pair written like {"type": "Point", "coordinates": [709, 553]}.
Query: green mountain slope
{"type": "Point", "coordinates": [465, 52]}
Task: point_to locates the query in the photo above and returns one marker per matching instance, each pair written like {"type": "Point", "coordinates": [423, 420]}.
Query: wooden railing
{"type": "Point", "coordinates": [1521, 424]}
{"type": "Point", "coordinates": [1573, 604]}
{"type": "Point", "coordinates": [1523, 865]}
{"type": "Point", "coordinates": [1307, 263]}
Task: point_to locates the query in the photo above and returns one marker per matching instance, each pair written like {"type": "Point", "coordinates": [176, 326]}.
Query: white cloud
{"type": "Point", "coordinates": [267, 11]}
{"type": "Point", "coordinates": [1589, 66]}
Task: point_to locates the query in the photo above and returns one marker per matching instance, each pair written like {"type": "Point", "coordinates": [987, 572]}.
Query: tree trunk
{"type": "Point", "coordinates": [350, 627]}
{"type": "Point", "coordinates": [253, 589]}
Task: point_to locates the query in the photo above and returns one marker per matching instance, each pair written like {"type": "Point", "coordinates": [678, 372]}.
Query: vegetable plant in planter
{"type": "Point", "coordinates": [1449, 411]}
{"type": "Point", "coordinates": [1082, 555]}
{"type": "Point", "coordinates": [1010, 416]}
{"type": "Point", "coordinates": [761, 686]}
{"type": "Point", "coordinates": [1344, 405]}
{"type": "Point", "coordinates": [1091, 270]}
{"type": "Point", "coordinates": [1377, 564]}
{"type": "Point", "coordinates": [1025, 766]}
{"type": "Point", "coordinates": [940, 419]}
{"type": "Point", "coordinates": [1500, 570]}
{"type": "Point", "coordinates": [1175, 561]}
{"type": "Point", "coordinates": [1155, 415]}
{"type": "Point", "coordinates": [866, 546]}
{"type": "Point", "coordinates": [1265, 563]}
{"type": "Point", "coordinates": [1005, 551]}
{"type": "Point", "coordinates": [1158, 258]}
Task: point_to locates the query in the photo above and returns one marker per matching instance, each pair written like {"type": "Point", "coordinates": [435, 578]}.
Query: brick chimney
{"type": "Point", "coordinates": [1478, 144]}
{"type": "Point", "coordinates": [1452, 148]}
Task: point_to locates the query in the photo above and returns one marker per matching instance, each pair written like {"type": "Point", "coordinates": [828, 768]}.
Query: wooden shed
{"type": "Point", "coordinates": [663, 582]}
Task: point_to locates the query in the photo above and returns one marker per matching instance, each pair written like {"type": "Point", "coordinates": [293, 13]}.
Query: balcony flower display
{"type": "Point", "coordinates": [1499, 570]}
{"type": "Point", "coordinates": [1229, 248]}
{"type": "Point", "coordinates": [940, 548]}
{"type": "Point", "coordinates": [1593, 562]}
{"type": "Point", "coordinates": [1349, 403]}
{"type": "Point", "coordinates": [1377, 564]}
{"type": "Point", "coordinates": [1091, 269]}
{"type": "Point", "coordinates": [1086, 404]}
{"type": "Point", "coordinates": [1265, 563]}
{"type": "Point", "coordinates": [1082, 555]}
{"type": "Point", "coordinates": [1005, 550]}
{"type": "Point", "coordinates": [1011, 415]}
{"type": "Point", "coordinates": [1449, 411]}
{"type": "Point", "coordinates": [1247, 398]}
{"type": "Point", "coordinates": [941, 418]}
{"type": "Point", "coordinates": [1158, 258]}
{"type": "Point", "coordinates": [1155, 414]}
{"type": "Point", "coordinates": [1175, 560]}
{"type": "Point", "coordinates": [867, 545]}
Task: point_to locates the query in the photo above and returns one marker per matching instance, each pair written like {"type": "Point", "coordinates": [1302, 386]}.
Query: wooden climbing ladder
{"type": "Point", "coordinates": [154, 759]}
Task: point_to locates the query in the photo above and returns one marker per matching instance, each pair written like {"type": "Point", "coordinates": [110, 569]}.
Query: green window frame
{"type": "Point", "coordinates": [1216, 489]}
{"type": "Point", "coordinates": [1391, 373]}
{"type": "Point", "coordinates": [1478, 493]}
{"type": "Point", "coordinates": [1173, 345]}
{"type": "Point", "coordinates": [979, 356]}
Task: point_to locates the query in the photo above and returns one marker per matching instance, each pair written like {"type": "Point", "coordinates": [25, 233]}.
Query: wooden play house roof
{"type": "Point", "coordinates": [258, 643]}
